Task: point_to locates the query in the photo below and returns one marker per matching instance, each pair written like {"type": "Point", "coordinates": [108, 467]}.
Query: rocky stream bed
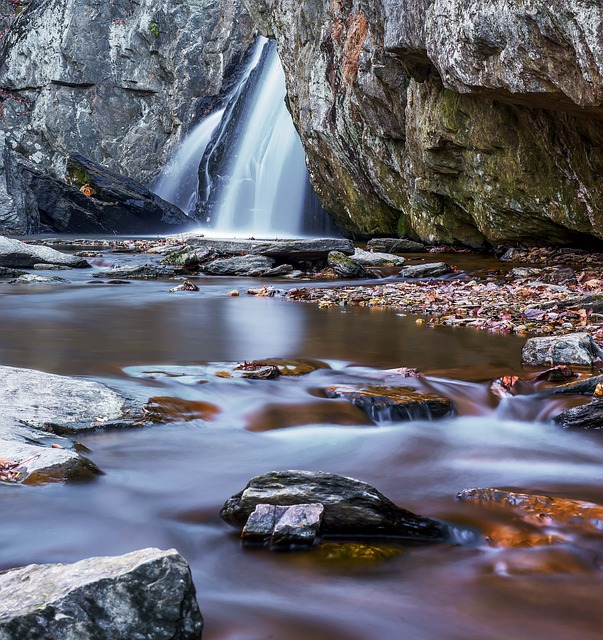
{"type": "Point", "coordinates": [411, 464]}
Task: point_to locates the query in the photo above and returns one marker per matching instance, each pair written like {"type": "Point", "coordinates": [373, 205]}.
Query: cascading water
{"type": "Point", "coordinates": [243, 168]}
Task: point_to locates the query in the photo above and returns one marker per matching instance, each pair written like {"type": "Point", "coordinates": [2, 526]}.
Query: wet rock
{"type": "Point", "coordinates": [61, 404]}
{"type": "Point", "coordinates": [168, 409]}
{"type": "Point", "coordinates": [239, 266]}
{"type": "Point", "coordinates": [51, 267]}
{"type": "Point", "coordinates": [576, 348]}
{"type": "Point", "coordinates": [513, 255]}
{"type": "Point", "coordinates": [395, 245]}
{"type": "Point", "coordinates": [351, 507]}
{"type": "Point", "coordinates": [346, 267]}
{"type": "Point", "coordinates": [281, 270]}
{"type": "Point", "coordinates": [190, 257]}
{"type": "Point", "coordinates": [5, 272]}
{"type": "Point", "coordinates": [32, 278]}
{"type": "Point", "coordinates": [376, 259]}
{"type": "Point", "coordinates": [591, 302]}
{"type": "Point", "coordinates": [396, 404]}
{"type": "Point", "coordinates": [257, 371]}
{"type": "Point", "coordinates": [429, 270]}
{"type": "Point", "coordinates": [283, 527]}
{"type": "Point", "coordinates": [541, 510]}
{"type": "Point", "coordinates": [14, 253]}
{"type": "Point", "coordinates": [137, 272]}
{"type": "Point", "coordinates": [524, 272]}
{"type": "Point", "coordinates": [588, 416]}
{"type": "Point", "coordinates": [294, 367]}
{"type": "Point", "coordinates": [143, 594]}
{"type": "Point", "coordinates": [33, 456]}
{"type": "Point", "coordinates": [583, 387]}
{"type": "Point", "coordinates": [187, 285]}
{"type": "Point", "coordinates": [282, 416]}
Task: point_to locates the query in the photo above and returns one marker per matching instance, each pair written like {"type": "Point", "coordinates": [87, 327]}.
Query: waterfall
{"type": "Point", "coordinates": [242, 169]}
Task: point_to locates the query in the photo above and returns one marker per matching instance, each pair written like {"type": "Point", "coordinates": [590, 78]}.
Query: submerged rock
{"type": "Point", "coordinates": [143, 594]}
{"type": "Point", "coordinates": [429, 270]}
{"type": "Point", "coordinates": [351, 507]}
{"type": "Point", "coordinates": [14, 253]}
{"type": "Point", "coordinates": [395, 245]}
{"type": "Point", "coordinates": [388, 403]}
{"type": "Point", "coordinates": [576, 348]}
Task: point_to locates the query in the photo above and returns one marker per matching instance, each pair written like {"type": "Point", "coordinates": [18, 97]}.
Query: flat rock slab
{"type": "Point", "coordinates": [32, 278]}
{"type": "Point", "coordinates": [394, 245]}
{"type": "Point", "coordinates": [138, 272]}
{"type": "Point", "coordinates": [60, 403]}
{"type": "Point", "coordinates": [283, 527]}
{"type": "Point", "coordinates": [396, 404]}
{"type": "Point", "coordinates": [14, 253]}
{"type": "Point", "coordinates": [377, 259]}
{"type": "Point", "coordinates": [429, 270]}
{"type": "Point", "coordinates": [137, 596]}
{"type": "Point", "coordinates": [31, 456]}
{"type": "Point", "coordinates": [249, 265]}
{"type": "Point", "coordinates": [351, 507]}
{"type": "Point", "coordinates": [575, 348]}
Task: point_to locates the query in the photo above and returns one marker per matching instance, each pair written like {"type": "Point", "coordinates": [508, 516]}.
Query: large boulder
{"type": "Point", "coordinates": [125, 97]}
{"type": "Point", "coordinates": [446, 120]}
{"type": "Point", "coordinates": [140, 595]}
{"type": "Point", "coordinates": [351, 507]}
{"type": "Point", "coordinates": [575, 348]}
{"type": "Point", "coordinates": [14, 253]}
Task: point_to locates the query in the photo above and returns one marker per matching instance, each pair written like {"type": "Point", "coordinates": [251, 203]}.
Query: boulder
{"type": "Point", "coordinates": [33, 456]}
{"type": "Point", "coordinates": [95, 200]}
{"type": "Point", "coordinates": [395, 404]}
{"type": "Point", "coordinates": [351, 507]}
{"type": "Point", "coordinates": [346, 267]}
{"type": "Point", "coordinates": [143, 594]}
{"type": "Point", "coordinates": [61, 404]}
{"type": "Point", "coordinates": [138, 272]}
{"type": "Point", "coordinates": [249, 265]}
{"type": "Point", "coordinates": [429, 270]}
{"type": "Point", "coordinates": [32, 278]}
{"type": "Point", "coordinates": [14, 253]}
{"type": "Point", "coordinates": [587, 416]}
{"type": "Point", "coordinates": [395, 245]}
{"type": "Point", "coordinates": [575, 348]}
{"type": "Point", "coordinates": [377, 259]}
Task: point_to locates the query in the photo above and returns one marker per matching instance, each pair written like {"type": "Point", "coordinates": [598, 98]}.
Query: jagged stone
{"type": "Point", "coordinates": [576, 348]}
{"type": "Point", "coordinates": [588, 416]}
{"type": "Point", "coordinates": [351, 507]}
{"type": "Point", "coordinates": [283, 527]}
{"type": "Point", "coordinates": [346, 267]}
{"type": "Point", "coordinates": [143, 594]}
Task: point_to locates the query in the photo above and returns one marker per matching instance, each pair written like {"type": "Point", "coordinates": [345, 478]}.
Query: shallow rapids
{"type": "Point", "coordinates": [163, 486]}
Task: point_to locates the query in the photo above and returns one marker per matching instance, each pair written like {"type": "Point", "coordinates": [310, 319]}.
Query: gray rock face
{"type": "Point", "coordinates": [346, 267]}
{"type": "Point", "coordinates": [283, 527]}
{"type": "Point", "coordinates": [124, 97]}
{"type": "Point", "coordinates": [60, 403]}
{"type": "Point", "coordinates": [140, 595]}
{"type": "Point", "coordinates": [576, 348]}
{"type": "Point", "coordinates": [395, 245]}
{"type": "Point", "coordinates": [14, 253]}
{"type": "Point", "coordinates": [377, 259]}
{"type": "Point", "coordinates": [351, 507]}
{"type": "Point", "coordinates": [239, 266]}
{"type": "Point", "coordinates": [588, 416]}
{"type": "Point", "coordinates": [447, 120]}
{"type": "Point", "coordinates": [138, 272]}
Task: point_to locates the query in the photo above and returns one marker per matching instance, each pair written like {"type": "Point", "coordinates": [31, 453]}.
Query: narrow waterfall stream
{"type": "Point", "coordinates": [254, 179]}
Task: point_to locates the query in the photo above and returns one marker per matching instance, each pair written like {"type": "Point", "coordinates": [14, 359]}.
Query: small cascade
{"type": "Point", "coordinates": [179, 180]}
{"type": "Point", "coordinates": [242, 169]}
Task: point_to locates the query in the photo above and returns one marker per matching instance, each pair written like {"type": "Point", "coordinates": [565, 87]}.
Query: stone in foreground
{"type": "Point", "coordinates": [394, 245]}
{"type": "Point", "coordinates": [576, 348]}
{"type": "Point", "coordinates": [283, 527]}
{"type": "Point", "coordinates": [429, 270]}
{"type": "Point", "coordinates": [346, 267]}
{"type": "Point", "coordinates": [14, 253]}
{"type": "Point", "coordinates": [377, 259]}
{"type": "Point", "coordinates": [351, 507]}
{"type": "Point", "coordinates": [147, 594]}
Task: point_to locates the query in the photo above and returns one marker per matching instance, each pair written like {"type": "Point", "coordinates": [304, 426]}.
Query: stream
{"type": "Point", "coordinates": [163, 486]}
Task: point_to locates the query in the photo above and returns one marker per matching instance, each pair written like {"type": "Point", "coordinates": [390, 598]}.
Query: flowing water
{"type": "Point", "coordinates": [163, 486]}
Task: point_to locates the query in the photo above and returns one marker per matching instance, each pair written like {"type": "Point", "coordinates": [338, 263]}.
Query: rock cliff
{"type": "Point", "coordinates": [118, 82]}
{"type": "Point", "coordinates": [461, 121]}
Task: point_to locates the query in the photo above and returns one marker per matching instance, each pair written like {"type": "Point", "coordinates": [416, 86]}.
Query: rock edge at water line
{"type": "Point", "coordinates": [14, 253]}
{"type": "Point", "coordinates": [143, 594]}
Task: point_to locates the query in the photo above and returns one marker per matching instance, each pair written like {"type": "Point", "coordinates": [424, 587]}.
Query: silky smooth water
{"type": "Point", "coordinates": [164, 485]}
